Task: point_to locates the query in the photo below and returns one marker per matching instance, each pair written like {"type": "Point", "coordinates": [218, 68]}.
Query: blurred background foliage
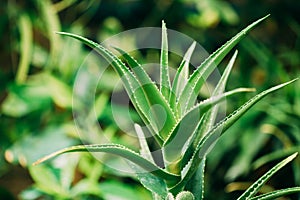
{"type": "Point", "coordinates": [39, 69]}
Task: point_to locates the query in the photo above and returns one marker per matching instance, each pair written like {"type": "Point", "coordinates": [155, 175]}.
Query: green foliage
{"type": "Point", "coordinates": [189, 130]}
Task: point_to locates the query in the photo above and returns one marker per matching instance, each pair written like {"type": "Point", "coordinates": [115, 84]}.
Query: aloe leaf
{"type": "Point", "coordinates": [141, 95]}
{"type": "Point", "coordinates": [152, 89]}
{"type": "Point", "coordinates": [198, 177]}
{"type": "Point", "coordinates": [181, 133]}
{"type": "Point", "coordinates": [197, 79]}
{"type": "Point", "coordinates": [274, 156]}
{"type": "Point", "coordinates": [210, 116]}
{"type": "Point", "coordinates": [192, 160]}
{"type": "Point", "coordinates": [165, 86]}
{"type": "Point", "coordinates": [119, 150]}
{"type": "Point", "coordinates": [145, 151]}
{"type": "Point", "coordinates": [151, 182]}
{"type": "Point", "coordinates": [254, 188]}
{"type": "Point", "coordinates": [181, 76]}
{"type": "Point", "coordinates": [202, 147]}
{"type": "Point", "coordinates": [277, 193]}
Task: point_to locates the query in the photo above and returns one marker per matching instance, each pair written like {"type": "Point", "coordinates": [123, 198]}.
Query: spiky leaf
{"type": "Point", "coordinates": [119, 150]}
{"type": "Point", "coordinates": [141, 94]}
{"type": "Point", "coordinates": [254, 188]}
{"type": "Point", "coordinates": [165, 86]}
{"type": "Point", "coordinates": [197, 79]}
{"type": "Point", "coordinates": [276, 194]}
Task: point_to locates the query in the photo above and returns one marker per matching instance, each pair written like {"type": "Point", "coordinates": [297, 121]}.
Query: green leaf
{"type": "Point", "coordinates": [51, 23]}
{"type": "Point", "coordinates": [197, 79]}
{"type": "Point", "coordinates": [254, 188]}
{"type": "Point", "coordinates": [144, 79]}
{"type": "Point", "coordinates": [210, 116]}
{"type": "Point", "coordinates": [26, 43]}
{"type": "Point", "coordinates": [151, 182]}
{"type": "Point", "coordinates": [120, 150]}
{"type": "Point", "coordinates": [145, 151]}
{"type": "Point", "coordinates": [198, 177]}
{"type": "Point", "coordinates": [165, 86]}
{"type": "Point", "coordinates": [24, 99]}
{"type": "Point", "coordinates": [274, 156]}
{"type": "Point", "coordinates": [181, 76]}
{"type": "Point", "coordinates": [141, 94]}
{"type": "Point", "coordinates": [276, 194]}
{"type": "Point", "coordinates": [115, 190]}
{"type": "Point", "coordinates": [181, 133]}
{"type": "Point", "coordinates": [46, 180]}
{"type": "Point", "coordinates": [202, 148]}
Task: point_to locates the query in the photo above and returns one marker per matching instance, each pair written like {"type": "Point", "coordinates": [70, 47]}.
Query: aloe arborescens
{"type": "Point", "coordinates": [188, 130]}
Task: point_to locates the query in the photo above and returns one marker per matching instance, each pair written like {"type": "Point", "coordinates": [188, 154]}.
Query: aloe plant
{"type": "Point", "coordinates": [188, 130]}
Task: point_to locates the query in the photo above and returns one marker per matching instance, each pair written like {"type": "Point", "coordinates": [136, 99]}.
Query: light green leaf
{"type": "Point", "coordinates": [145, 151]}
{"type": "Point", "coordinates": [186, 127]}
{"type": "Point", "coordinates": [197, 79]}
{"type": "Point", "coordinates": [181, 76]}
{"type": "Point", "coordinates": [151, 182]}
{"type": "Point", "coordinates": [210, 116]}
{"type": "Point", "coordinates": [274, 156]}
{"type": "Point", "coordinates": [198, 177]}
{"type": "Point", "coordinates": [192, 161]}
{"type": "Point", "coordinates": [140, 94]}
{"type": "Point", "coordinates": [120, 150]}
{"type": "Point", "coordinates": [144, 79]}
{"type": "Point", "coordinates": [26, 44]}
{"type": "Point", "coordinates": [254, 188]}
{"type": "Point", "coordinates": [120, 191]}
{"type": "Point", "coordinates": [165, 86]}
{"type": "Point", "coordinates": [46, 180]}
{"type": "Point", "coordinates": [276, 194]}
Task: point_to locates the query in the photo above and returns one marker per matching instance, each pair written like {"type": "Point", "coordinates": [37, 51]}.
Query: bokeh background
{"type": "Point", "coordinates": [38, 69]}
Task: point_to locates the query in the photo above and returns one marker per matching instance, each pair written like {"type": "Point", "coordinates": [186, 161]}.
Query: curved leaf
{"type": "Point", "coordinates": [119, 150]}
{"type": "Point", "coordinates": [276, 194]}
{"type": "Point", "coordinates": [181, 76]}
{"type": "Point", "coordinates": [180, 135]}
{"type": "Point", "coordinates": [197, 79]}
{"type": "Point", "coordinates": [140, 94]}
{"type": "Point", "coordinates": [165, 86]}
{"type": "Point", "coordinates": [254, 188]}
{"type": "Point", "coordinates": [202, 148]}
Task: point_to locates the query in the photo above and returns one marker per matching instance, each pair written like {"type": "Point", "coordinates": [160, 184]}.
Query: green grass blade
{"type": "Point", "coordinates": [277, 193]}
{"type": "Point", "coordinates": [181, 76]}
{"type": "Point", "coordinates": [26, 34]}
{"type": "Point", "coordinates": [181, 133]}
{"type": "Point", "coordinates": [51, 23]}
{"type": "Point", "coordinates": [192, 158]}
{"type": "Point", "coordinates": [165, 86]}
{"type": "Point", "coordinates": [141, 95]}
{"type": "Point", "coordinates": [254, 188]}
{"type": "Point", "coordinates": [197, 79]}
{"type": "Point", "coordinates": [119, 150]}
